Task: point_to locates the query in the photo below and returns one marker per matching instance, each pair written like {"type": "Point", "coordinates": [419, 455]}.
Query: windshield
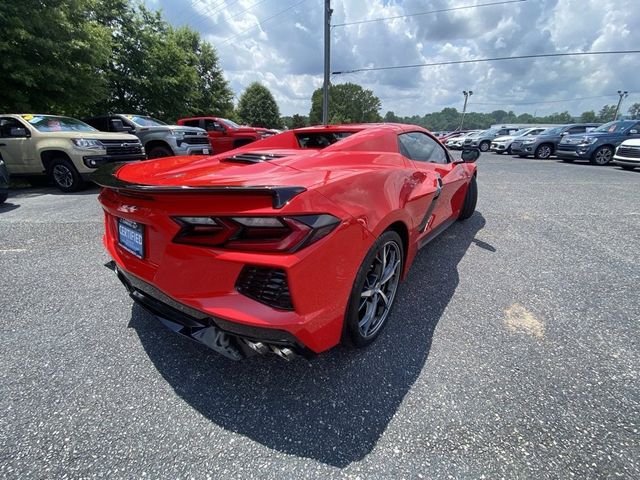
{"type": "Point", "coordinates": [48, 123]}
{"type": "Point", "coordinates": [614, 127]}
{"type": "Point", "coordinates": [523, 131]}
{"type": "Point", "coordinates": [229, 123]}
{"type": "Point", "coordinates": [553, 131]}
{"type": "Point", "coordinates": [145, 121]}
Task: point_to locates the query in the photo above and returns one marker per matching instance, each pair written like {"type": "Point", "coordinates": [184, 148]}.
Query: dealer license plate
{"type": "Point", "coordinates": [131, 237]}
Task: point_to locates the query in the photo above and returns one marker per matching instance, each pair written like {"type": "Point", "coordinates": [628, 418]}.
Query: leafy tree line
{"type": "Point", "coordinates": [449, 118]}
{"type": "Point", "coordinates": [83, 57]}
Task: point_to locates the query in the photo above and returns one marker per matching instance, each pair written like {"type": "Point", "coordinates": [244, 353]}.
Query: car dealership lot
{"type": "Point", "coordinates": [512, 351]}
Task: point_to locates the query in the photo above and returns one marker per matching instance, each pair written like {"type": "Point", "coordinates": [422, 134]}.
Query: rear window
{"type": "Point", "coordinates": [320, 139]}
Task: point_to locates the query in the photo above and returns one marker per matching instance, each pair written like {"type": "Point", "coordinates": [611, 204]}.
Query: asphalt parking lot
{"type": "Point", "coordinates": [512, 353]}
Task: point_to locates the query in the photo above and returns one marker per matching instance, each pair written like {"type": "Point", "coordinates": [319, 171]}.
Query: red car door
{"type": "Point", "coordinates": [428, 155]}
{"type": "Point", "coordinates": [221, 141]}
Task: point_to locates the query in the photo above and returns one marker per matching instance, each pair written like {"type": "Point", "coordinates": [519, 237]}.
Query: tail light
{"type": "Point", "coordinates": [258, 234]}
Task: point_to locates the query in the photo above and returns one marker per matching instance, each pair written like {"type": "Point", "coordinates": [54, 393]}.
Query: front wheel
{"type": "Point", "coordinates": [602, 156]}
{"type": "Point", "coordinates": [65, 176]}
{"type": "Point", "coordinates": [543, 152]}
{"type": "Point", "coordinates": [484, 146]}
{"type": "Point", "coordinates": [374, 290]}
{"type": "Point", "coordinates": [159, 152]}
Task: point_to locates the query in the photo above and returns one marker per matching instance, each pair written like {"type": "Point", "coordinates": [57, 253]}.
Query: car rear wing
{"type": "Point", "coordinates": [106, 178]}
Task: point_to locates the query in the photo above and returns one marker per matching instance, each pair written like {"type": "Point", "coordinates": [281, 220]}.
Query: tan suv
{"type": "Point", "coordinates": [62, 149]}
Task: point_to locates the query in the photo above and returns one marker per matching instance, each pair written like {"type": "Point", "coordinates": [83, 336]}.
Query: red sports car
{"type": "Point", "coordinates": [288, 245]}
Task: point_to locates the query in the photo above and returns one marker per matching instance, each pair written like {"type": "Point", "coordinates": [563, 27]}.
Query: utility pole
{"type": "Point", "coordinates": [327, 61]}
{"type": "Point", "coordinates": [466, 94]}
{"type": "Point", "coordinates": [623, 94]}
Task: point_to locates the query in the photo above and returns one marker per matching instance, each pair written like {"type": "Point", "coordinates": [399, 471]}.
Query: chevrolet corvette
{"type": "Point", "coordinates": [289, 245]}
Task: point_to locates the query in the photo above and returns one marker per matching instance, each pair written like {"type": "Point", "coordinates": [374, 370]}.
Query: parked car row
{"type": "Point", "coordinates": [593, 142]}
{"type": "Point", "coordinates": [545, 144]}
{"type": "Point", "coordinates": [66, 151]}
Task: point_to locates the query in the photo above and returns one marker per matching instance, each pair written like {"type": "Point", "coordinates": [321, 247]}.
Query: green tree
{"type": "Point", "coordinates": [159, 70]}
{"type": "Point", "coordinates": [258, 108]}
{"type": "Point", "coordinates": [348, 103]}
{"type": "Point", "coordinates": [588, 117]}
{"type": "Point", "coordinates": [299, 121]}
{"type": "Point", "coordinates": [606, 113]}
{"type": "Point", "coordinates": [634, 111]}
{"type": "Point", "coordinates": [52, 53]}
{"type": "Point", "coordinates": [390, 117]}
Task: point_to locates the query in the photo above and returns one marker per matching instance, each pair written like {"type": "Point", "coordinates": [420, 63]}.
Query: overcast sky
{"type": "Point", "coordinates": [285, 52]}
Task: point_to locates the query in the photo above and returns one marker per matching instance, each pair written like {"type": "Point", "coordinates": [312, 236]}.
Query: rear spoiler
{"type": "Point", "coordinates": [106, 177]}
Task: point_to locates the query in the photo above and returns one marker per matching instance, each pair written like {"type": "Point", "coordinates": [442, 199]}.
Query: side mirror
{"type": "Point", "coordinates": [633, 131]}
{"type": "Point", "coordinates": [19, 132]}
{"type": "Point", "coordinates": [470, 156]}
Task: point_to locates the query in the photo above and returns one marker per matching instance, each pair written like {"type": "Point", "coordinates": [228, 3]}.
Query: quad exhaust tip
{"type": "Point", "coordinates": [262, 348]}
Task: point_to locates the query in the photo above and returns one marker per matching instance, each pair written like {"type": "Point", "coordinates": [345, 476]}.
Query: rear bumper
{"type": "Point", "coordinates": [233, 340]}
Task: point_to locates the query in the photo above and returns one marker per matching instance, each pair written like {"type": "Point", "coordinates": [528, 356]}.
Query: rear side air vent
{"type": "Point", "coordinates": [253, 157]}
{"type": "Point", "coordinates": [266, 285]}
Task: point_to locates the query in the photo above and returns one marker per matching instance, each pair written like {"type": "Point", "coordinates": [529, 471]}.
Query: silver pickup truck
{"type": "Point", "coordinates": [158, 138]}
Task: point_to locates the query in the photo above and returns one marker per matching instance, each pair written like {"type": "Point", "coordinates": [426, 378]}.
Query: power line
{"type": "Point", "coordinates": [211, 11]}
{"type": "Point", "coordinates": [545, 102]}
{"type": "Point", "coordinates": [427, 13]}
{"type": "Point", "coordinates": [262, 22]}
{"type": "Point", "coordinates": [480, 60]}
{"type": "Point", "coordinates": [199, 11]}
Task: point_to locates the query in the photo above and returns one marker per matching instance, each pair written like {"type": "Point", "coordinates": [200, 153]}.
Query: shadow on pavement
{"type": "Point", "coordinates": [335, 407]}
{"type": "Point", "coordinates": [8, 206]}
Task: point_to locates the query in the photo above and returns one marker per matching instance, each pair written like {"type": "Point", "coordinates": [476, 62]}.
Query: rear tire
{"type": "Point", "coordinates": [65, 176]}
{"type": "Point", "coordinates": [602, 156]}
{"type": "Point", "coordinates": [470, 200]}
{"type": "Point", "coordinates": [374, 290]}
{"type": "Point", "coordinates": [484, 146]}
{"type": "Point", "coordinates": [159, 152]}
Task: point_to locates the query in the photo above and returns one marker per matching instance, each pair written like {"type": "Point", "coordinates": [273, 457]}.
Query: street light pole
{"type": "Point", "coordinates": [466, 94]}
{"type": "Point", "coordinates": [327, 61]}
{"type": "Point", "coordinates": [623, 94]}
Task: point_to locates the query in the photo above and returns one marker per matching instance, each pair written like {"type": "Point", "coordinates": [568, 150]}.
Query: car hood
{"type": "Point", "coordinates": [93, 135]}
{"type": "Point", "coordinates": [173, 129]}
{"type": "Point", "coordinates": [504, 138]}
{"type": "Point", "coordinates": [632, 142]}
{"type": "Point", "coordinates": [249, 130]}
{"type": "Point", "coordinates": [591, 134]}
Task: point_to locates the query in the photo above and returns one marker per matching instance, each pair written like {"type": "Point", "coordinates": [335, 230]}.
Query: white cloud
{"type": "Point", "coordinates": [285, 52]}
